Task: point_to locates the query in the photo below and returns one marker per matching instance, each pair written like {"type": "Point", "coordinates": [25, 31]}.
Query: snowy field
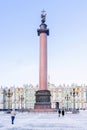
{"type": "Point", "coordinates": [44, 121]}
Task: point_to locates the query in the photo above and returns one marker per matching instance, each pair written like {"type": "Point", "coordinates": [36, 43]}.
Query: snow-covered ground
{"type": "Point", "coordinates": [44, 121]}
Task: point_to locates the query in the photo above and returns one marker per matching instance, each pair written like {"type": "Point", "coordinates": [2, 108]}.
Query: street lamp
{"type": "Point", "coordinates": [9, 95]}
{"type": "Point", "coordinates": [74, 94]}
{"type": "Point", "coordinates": [22, 98]}
{"type": "Point", "coordinates": [67, 99]}
{"type": "Point", "coordinates": [4, 99]}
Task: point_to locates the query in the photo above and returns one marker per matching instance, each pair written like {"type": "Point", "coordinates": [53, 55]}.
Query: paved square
{"type": "Point", "coordinates": [44, 121]}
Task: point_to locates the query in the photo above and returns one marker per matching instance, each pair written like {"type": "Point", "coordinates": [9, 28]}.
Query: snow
{"type": "Point", "coordinates": [44, 121]}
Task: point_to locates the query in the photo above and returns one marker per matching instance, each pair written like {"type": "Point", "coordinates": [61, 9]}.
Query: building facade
{"type": "Point", "coordinates": [23, 98]}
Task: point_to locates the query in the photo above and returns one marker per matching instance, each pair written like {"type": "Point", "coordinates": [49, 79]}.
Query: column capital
{"type": "Point", "coordinates": [43, 29]}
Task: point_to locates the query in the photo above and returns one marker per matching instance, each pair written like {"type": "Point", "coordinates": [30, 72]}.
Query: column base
{"type": "Point", "coordinates": [42, 99]}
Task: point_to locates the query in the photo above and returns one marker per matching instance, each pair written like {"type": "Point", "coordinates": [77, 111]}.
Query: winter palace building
{"type": "Point", "coordinates": [23, 98]}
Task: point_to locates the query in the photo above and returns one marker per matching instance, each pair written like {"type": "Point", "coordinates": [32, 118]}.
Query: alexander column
{"type": "Point", "coordinates": [43, 95]}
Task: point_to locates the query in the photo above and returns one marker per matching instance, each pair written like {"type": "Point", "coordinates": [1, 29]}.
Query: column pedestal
{"type": "Point", "coordinates": [43, 99]}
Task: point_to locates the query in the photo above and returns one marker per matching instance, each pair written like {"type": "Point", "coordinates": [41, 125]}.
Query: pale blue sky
{"type": "Point", "coordinates": [19, 43]}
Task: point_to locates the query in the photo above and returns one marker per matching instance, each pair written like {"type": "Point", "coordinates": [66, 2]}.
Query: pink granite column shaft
{"type": "Point", "coordinates": [43, 62]}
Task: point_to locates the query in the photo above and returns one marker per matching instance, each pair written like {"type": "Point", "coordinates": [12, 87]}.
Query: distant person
{"type": "Point", "coordinates": [63, 112]}
{"type": "Point", "coordinates": [59, 111]}
{"type": "Point", "coordinates": [13, 114]}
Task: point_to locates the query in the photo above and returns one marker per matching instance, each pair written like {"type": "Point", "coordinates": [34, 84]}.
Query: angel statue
{"type": "Point", "coordinates": [43, 17]}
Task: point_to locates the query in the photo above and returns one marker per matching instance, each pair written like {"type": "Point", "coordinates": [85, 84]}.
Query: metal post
{"type": "Point", "coordinates": [9, 95]}
{"type": "Point", "coordinates": [74, 94]}
{"type": "Point", "coordinates": [22, 98]}
{"type": "Point", "coordinates": [67, 99]}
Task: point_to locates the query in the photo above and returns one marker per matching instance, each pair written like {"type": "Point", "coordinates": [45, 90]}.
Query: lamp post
{"type": "Point", "coordinates": [9, 95]}
{"type": "Point", "coordinates": [74, 94]}
{"type": "Point", "coordinates": [67, 99]}
{"type": "Point", "coordinates": [4, 99]}
{"type": "Point", "coordinates": [22, 98]}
